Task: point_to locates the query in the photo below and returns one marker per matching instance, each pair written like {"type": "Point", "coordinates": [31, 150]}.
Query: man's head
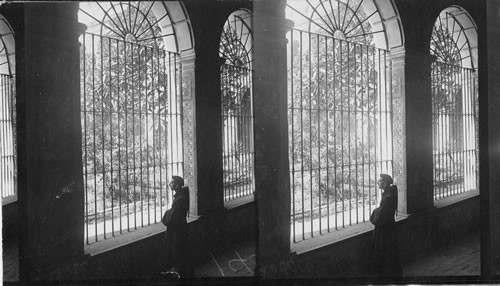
{"type": "Point", "coordinates": [385, 181]}
{"type": "Point", "coordinates": [176, 183]}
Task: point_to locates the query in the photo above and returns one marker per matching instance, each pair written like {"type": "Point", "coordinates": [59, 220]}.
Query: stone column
{"type": "Point", "coordinates": [271, 136]}
{"type": "Point", "coordinates": [416, 99]}
{"type": "Point", "coordinates": [208, 120]}
{"type": "Point", "coordinates": [49, 138]}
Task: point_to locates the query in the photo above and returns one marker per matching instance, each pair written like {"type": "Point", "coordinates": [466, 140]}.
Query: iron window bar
{"type": "Point", "coordinates": [131, 119]}
{"type": "Point", "coordinates": [340, 114]}
{"type": "Point", "coordinates": [8, 158]}
{"type": "Point", "coordinates": [8, 130]}
{"type": "Point", "coordinates": [344, 20]}
{"type": "Point", "coordinates": [340, 131]}
{"type": "Point", "coordinates": [454, 109]}
{"type": "Point", "coordinates": [454, 125]}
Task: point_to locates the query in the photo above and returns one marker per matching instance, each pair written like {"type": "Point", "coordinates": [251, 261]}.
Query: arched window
{"type": "Point", "coordinates": [339, 113]}
{"type": "Point", "coordinates": [131, 113]}
{"type": "Point", "coordinates": [237, 116]}
{"type": "Point", "coordinates": [454, 103]}
{"type": "Point", "coordinates": [8, 158]}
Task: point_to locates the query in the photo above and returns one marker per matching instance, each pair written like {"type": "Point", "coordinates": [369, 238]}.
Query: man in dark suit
{"type": "Point", "coordinates": [176, 258]}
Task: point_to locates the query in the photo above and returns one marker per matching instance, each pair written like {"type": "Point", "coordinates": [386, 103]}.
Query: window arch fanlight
{"type": "Point", "coordinates": [141, 22]}
{"type": "Point", "coordinates": [131, 112]}
{"type": "Point", "coordinates": [454, 103]}
{"type": "Point", "coordinates": [454, 38]}
{"type": "Point", "coordinates": [339, 111]}
{"type": "Point", "coordinates": [7, 49]}
{"type": "Point", "coordinates": [237, 39]}
{"type": "Point", "coordinates": [368, 22]}
{"type": "Point", "coordinates": [8, 158]}
{"type": "Point", "coordinates": [235, 50]}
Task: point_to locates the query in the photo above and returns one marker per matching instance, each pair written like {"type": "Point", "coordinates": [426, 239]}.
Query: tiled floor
{"type": "Point", "coordinates": [10, 257]}
{"type": "Point", "coordinates": [236, 262]}
{"type": "Point", "coordinates": [460, 259]}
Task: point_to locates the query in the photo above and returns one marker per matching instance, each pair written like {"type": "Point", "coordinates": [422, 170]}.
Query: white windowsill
{"type": "Point", "coordinates": [127, 238]}
{"type": "Point", "coordinates": [239, 202]}
{"type": "Point", "coordinates": [335, 236]}
{"type": "Point", "coordinates": [9, 200]}
{"type": "Point", "coordinates": [455, 198]}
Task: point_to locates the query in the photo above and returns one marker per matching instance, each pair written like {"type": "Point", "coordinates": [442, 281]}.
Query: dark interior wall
{"type": "Point", "coordinates": [489, 90]}
{"type": "Point", "coordinates": [418, 234]}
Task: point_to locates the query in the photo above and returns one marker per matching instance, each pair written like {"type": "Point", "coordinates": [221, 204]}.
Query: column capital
{"type": "Point", "coordinates": [267, 21]}
{"type": "Point", "coordinates": [398, 55]}
{"type": "Point", "coordinates": [188, 58]}
{"type": "Point", "coordinates": [278, 25]}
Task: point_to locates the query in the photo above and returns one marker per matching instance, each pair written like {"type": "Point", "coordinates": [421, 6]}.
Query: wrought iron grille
{"type": "Point", "coordinates": [237, 114]}
{"type": "Point", "coordinates": [449, 42]}
{"type": "Point", "coordinates": [340, 131]}
{"type": "Point", "coordinates": [454, 110]}
{"type": "Point", "coordinates": [8, 181]}
{"type": "Point", "coordinates": [353, 20]}
{"type": "Point", "coordinates": [454, 122]}
{"type": "Point", "coordinates": [8, 157]}
{"type": "Point", "coordinates": [131, 113]}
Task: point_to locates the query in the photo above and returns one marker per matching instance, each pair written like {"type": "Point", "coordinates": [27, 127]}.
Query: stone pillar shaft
{"type": "Point", "coordinates": [49, 138]}
{"type": "Point", "coordinates": [271, 135]}
{"type": "Point", "coordinates": [417, 104]}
